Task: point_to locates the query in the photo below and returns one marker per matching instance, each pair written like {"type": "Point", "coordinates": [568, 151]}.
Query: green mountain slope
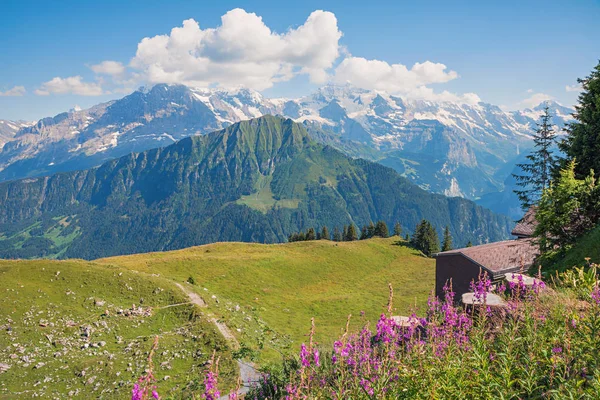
{"type": "Point", "coordinates": [255, 181]}
{"type": "Point", "coordinates": [585, 247]}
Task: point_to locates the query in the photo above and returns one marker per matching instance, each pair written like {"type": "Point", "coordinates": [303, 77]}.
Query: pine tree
{"type": "Point", "coordinates": [397, 229]}
{"type": "Point", "coordinates": [363, 233]}
{"type": "Point", "coordinates": [407, 237]}
{"type": "Point", "coordinates": [582, 141]}
{"type": "Point", "coordinates": [469, 244]}
{"type": "Point", "coordinates": [337, 236]}
{"type": "Point", "coordinates": [536, 173]}
{"type": "Point", "coordinates": [381, 230]}
{"type": "Point", "coordinates": [370, 230]}
{"type": "Point", "coordinates": [325, 233]}
{"type": "Point", "coordinates": [310, 234]}
{"type": "Point", "coordinates": [345, 233]}
{"type": "Point", "coordinates": [351, 233]}
{"type": "Point", "coordinates": [426, 238]}
{"type": "Point", "coordinates": [447, 245]}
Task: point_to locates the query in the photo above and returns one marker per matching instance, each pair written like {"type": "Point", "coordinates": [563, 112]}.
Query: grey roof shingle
{"type": "Point", "coordinates": [526, 226]}
{"type": "Point", "coordinates": [508, 255]}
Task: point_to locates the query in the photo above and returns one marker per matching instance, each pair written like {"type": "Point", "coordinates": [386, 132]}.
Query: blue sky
{"type": "Point", "coordinates": [508, 53]}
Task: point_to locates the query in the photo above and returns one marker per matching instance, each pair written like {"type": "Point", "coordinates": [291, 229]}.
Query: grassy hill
{"type": "Point", "coordinates": [265, 295]}
{"type": "Point", "coordinates": [62, 331]}
{"type": "Point", "coordinates": [282, 286]}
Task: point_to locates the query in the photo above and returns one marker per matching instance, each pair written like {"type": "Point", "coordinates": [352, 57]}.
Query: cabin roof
{"type": "Point", "coordinates": [499, 257]}
{"type": "Point", "coordinates": [526, 226]}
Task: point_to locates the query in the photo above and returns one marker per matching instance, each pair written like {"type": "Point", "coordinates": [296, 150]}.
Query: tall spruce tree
{"type": "Point", "coordinates": [397, 229]}
{"type": "Point", "coordinates": [537, 172]}
{"type": "Point", "coordinates": [370, 230]}
{"type": "Point", "coordinates": [425, 238]}
{"type": "Point", "coordinates": [310, 234]}
{"type": "Point", "coordinates": [325, 233]}
{"type": "Point", "coordinates": [345, 233]}
{"type": "Point", "coordinates": [337, 235]}
{"type": "Point", "coordinates": [447, 244]}
{"type": "Point", "coordinates": [381, 229]}
{"type": "Point", "coordinates": [582, 141]}
{"type": "Point", "coordinates": [351, 233]}
{"type": "Point", "coordinates": [363, 233]}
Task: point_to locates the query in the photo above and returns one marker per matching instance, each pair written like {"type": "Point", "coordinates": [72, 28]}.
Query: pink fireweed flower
{"type": "Point", "coordinates": [316, 357]}
{"type": "Point", "coordinates": [304, 356]}
{"type": "Point", "coordinates": [211, 392]}
{"type": "Point", "coordinates": [596, 295]}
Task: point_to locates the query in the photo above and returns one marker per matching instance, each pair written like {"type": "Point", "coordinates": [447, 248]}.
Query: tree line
{"type": "Point", "coordinates": [347, 234]}
{"type": "Point", "coordinates": [425, 237]}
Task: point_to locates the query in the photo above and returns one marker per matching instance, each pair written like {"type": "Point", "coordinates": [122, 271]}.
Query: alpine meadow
{"type": "Point", "coordinates": [266, 201]}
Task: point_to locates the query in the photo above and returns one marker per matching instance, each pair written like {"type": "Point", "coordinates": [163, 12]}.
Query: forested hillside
{"type": "Point", "coordinates": [255, 181]}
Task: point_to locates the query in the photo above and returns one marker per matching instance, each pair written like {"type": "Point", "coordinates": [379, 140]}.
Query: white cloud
{"type": "Point", "coordinates": [529, 90]}
{"type": "Point", "coordinates": [113, 68]}
{"type": "Point", "coordinates": [70, 85]}
{"type": "Point", "coordinates": [573, 88]}
{"type": "Point", "coordinates": [535, 100]}
{"type": "Point", "coordinates": [242, 51]}
{"type": "Point", "coordinates": [15, 91]}
{"type": "Point", "coordinates": [398, 79]}
{"type": "Point", "coordinates": [394, 78]}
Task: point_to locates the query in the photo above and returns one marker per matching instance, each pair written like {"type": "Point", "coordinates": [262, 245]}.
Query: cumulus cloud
{"type": "Point", "coordinates": [399, 79]}
{"type": "Point", "coordinates": [242, 51]}
{"type": "Point", "coordinates": [15, 91]}
{"type": "Point", "coordinates": [379, 75]}
{"type": "Point", "coordinates": [70, 85]}
{"type": "Point", "coordinates": [535, 100]}
{"type": "Point", "coordinates": [573, 88]}
{"type": "Point", "coordinates": [113, 68]}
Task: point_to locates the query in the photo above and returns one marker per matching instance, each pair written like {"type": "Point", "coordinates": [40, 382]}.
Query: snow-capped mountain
{"type": "Point", "coordinates": [451, 148]}
{"type": "Point", "coordinates": [8, 129]}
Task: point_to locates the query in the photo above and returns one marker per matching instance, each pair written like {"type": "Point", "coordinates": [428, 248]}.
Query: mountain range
{"type": "Point", "coordinates": [257, 180]}
{"type": "Point", "coordinates": [452, 148]}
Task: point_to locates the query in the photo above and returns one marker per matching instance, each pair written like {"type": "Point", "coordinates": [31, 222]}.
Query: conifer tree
{"type": "Point", "coordinates": [470, 244]}
{"type": "Point", "coordinates": [447, 244]}
{"type": "Point", "coordinates": [325, 233]}
{"type": "Point", "coordinates": [310, 234]}
{"type": "Point", "coordinates": [397, 229]}
{"type": "Point", "coordinates": [582, 141]}
{"type": "Point", "coordinates": [536, 173]}
{"type": "Point", "coordinates": [381, 230]}
{"type": "Point", "coordinates": [337, 236]}
{"type": "Point", "coordinates": [426, 238]}
{"type": "Point", "coordinates": [407, 237]}
{"type": "Point", "coordinates": [351, 233]}
{"type": "Point", "coordinates": [370, 230]}
{"type": "Point", "coordinates": [363, 233]}
{"type": "Point", "coordinates": [345, 233]}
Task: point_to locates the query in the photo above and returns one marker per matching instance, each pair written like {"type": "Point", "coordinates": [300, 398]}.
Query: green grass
{"type": "Point", "coordinates": [266, 295]}
{"type": "Point", "coordinates": [45, 305]}
{"type": "Point", "coordinates": [586, 247]}
{"type": "Point", "coordinates": [262, 200]}
{"type": "Point", "coordinates": [279, 288]}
